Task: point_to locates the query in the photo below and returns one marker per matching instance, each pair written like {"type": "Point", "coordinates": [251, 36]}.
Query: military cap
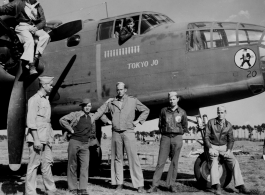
{"type": "Point", "coordinates": [221, 108]}
{"type": "Point", "coordinates": [46, 79]}
{"type": "Point", "coordinates": [120, 83]}
{"type": "Point", "coordinates": [172, 93]}
{"type": "Point", "coordinates": [85, 102]}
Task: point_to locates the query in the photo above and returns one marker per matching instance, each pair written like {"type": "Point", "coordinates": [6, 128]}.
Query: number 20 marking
{"type": "Point", "coordinates": [252, 74]}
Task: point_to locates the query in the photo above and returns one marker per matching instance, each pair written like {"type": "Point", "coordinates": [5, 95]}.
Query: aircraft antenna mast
{"type": "Point", "coordinates": [106, 9]}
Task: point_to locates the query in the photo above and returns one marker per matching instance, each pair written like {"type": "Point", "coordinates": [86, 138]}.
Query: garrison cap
{"type": "Point", "coordinates": [221, 108]}
{"type": "Point", "coordinates": [85, 102]}
{"type": "Point", "coordinates": [121, 83]}
{"type": "Point", "coordinates": [45, 79]}
{"type": "Point", "coordinates": [172, 93]}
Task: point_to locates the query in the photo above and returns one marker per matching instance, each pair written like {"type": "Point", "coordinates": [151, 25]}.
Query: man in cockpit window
{"type": "Point", "coordinates": [30, 17]}
{"type": "Point", "coordinates": [127, 31]}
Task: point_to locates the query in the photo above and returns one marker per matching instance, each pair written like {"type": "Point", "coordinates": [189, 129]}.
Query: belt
{"type": "Point", "coordinates": [171, 134]}
{"type": "Point", "coordinates": [30, 23]}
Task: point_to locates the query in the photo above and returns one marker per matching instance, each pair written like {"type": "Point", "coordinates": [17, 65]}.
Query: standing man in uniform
{"type": "Point", "coordinates": [40, 138]}
{"type": "Point", "coordinates": [172, 125]}
{"type": "Point", "coordinates": [122, 109]}
{"type": "Point", "coordinates": [81, 125]}
{"type": "Point", "coordinates": [219, 139]}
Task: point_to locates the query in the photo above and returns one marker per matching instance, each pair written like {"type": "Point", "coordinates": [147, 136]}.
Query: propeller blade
{"type": "Point", "coordinates": [61, 78]}
{"type": "Point", "coordinates": [6, 77]}
{"type": "Point", "coordinates": [66, 30]}
{"type": "Point", "coordinates": [16, 121]}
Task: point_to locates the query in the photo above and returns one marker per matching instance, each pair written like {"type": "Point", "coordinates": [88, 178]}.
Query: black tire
{"type": "Point", "coordinates": [201, 172]}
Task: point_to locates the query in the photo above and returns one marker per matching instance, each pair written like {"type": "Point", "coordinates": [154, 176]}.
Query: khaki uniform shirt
{"type": "Point", "coordinates": [39, 117]}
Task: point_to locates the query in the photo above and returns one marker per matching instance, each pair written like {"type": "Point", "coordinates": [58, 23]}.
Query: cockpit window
{"type": "Point", "coordinates": [105, 30]}
{"type": "Point", "coordinates": [226, 25]}
{"type": "Point", "coordinates": [224, 38]}
{"type": "Point", "coordinates": [199, 25]}
{"type": "Point", "coordinates": [198, 40]}
{"type": "Point", "coordinates": [150, 21]}
{"type": "Point", "coordinates": [251, 26]}
{"type": "Point", "coordinates": [117, 28]}
{"type": "Point", "coordinates": [162, 18]}
{"type": "Point", "coordinates": [231, 37]}
{"type": "Point", "coordinates": [254, 35]}
{"type": "Point", "coordinates": [249, 36]}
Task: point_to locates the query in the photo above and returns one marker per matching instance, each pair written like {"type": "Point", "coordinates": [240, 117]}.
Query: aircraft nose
{"type": "Point", "coordinates": [262, 62]}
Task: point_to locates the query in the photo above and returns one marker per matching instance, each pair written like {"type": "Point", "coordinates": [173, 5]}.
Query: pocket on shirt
{"type": "Point", "coordinates": [43, 111]}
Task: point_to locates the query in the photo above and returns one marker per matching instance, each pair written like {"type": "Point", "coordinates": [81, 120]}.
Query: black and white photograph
{"type": "Point", "coordinates": [126, 97]}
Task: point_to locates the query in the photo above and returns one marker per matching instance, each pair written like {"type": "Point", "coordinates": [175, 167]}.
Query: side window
{"type": "Point", "coordinates": [231, 37]}
{"type": "Point", "coordinates": [136, 23]}
{"type": "Point", "coordinates": [219, 38]}
{"type": "Point", "coordinates": [105, 30]}
{"type": "Point", "coordinates": [224, 38]}
{"type": "Point", "coordinates": [254, 35]}
{"type": "Point", "coordinates": [163, 18]}
{"type": "Point", "coordinates": [242, 37]}
{"type": "Point", "coordinates": [147, 23]}
{"type": "Point", "coordinates": [117, 27]}
{"type": "Point", "coordinates": [198, 40]}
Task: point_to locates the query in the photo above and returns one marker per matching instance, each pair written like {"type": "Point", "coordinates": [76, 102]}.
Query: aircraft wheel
{"type": "Point", "coordinates": [202, 172]}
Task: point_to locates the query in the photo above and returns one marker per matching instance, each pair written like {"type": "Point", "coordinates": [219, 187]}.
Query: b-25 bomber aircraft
{"type": "Point", "coordinates": [207, 63]}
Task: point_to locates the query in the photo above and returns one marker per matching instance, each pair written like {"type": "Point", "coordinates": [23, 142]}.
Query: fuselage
{"type": "Point", "coordinates": [200, 60]}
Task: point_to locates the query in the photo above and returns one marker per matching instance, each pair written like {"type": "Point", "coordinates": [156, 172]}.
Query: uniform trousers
{"type": "Point", "coordinates": [168, 144]}
{"type": "Point", "coordinates": [37, 157]}
{"type": "Point", "coordinates": [77, 152]}
{"type": "Point", "coordinates": [26, 38]}
{"type": "Point", "coordinates": [231, 162]}
{"type": "Point", "coordinates": [119, 141]}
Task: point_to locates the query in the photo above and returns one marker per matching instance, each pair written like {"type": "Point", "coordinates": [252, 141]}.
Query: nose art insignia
{"type": "Point", "coordinates": [245, 58]}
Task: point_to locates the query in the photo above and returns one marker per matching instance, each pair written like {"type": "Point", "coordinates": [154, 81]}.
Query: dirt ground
{"type": "Point", "coordinates": [252, 166]}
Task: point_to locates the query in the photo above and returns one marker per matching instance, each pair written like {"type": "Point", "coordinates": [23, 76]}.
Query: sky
{"type": "Point", "coordinates": [247, 111]}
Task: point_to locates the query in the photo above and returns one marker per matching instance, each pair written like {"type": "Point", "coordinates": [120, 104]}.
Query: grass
{"type": "Point", "coordinates": [252, 166]}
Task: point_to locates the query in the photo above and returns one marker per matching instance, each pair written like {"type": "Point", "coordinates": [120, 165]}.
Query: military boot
{"type": "Point", "coordinates": [242, 189]}
{"type": "Point", "coordinates": [32, 69]}
{"type": "Point", "coordinates": [218, 190]}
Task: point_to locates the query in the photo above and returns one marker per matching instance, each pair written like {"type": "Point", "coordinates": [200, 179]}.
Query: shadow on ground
{"type": "Point", "coordinates": [14, 182]}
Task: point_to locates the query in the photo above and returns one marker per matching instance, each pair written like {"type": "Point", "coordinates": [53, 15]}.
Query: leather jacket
{"type": "Point", "coordinates": [173, 121]}
{"type": "Point", "coordinates": [217, 135]}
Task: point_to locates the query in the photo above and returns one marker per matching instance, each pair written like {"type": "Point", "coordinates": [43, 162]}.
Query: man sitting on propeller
{"type": "Point", "coordinates": [30, 17]}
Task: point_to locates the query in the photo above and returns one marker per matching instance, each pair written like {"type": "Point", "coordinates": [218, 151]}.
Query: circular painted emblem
{"type": "Point", "coordinates": [245, 58]}
{"type": "Point", "coordinates": [178, 119]}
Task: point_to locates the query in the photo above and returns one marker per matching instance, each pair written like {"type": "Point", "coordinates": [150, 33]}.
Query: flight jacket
{"type": "Point", "coordinates": [125, 34]}
{"type": "Point", "coordinates": [173, 122]}
{"type": "Point", "coordinates": [122, 118]}
{"type": "Point", "coordinates": [16, 8]}
{"type": "Point", "coordinates": [71, 120]}
{"type": "Point", "coordinates": [219, 136]}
